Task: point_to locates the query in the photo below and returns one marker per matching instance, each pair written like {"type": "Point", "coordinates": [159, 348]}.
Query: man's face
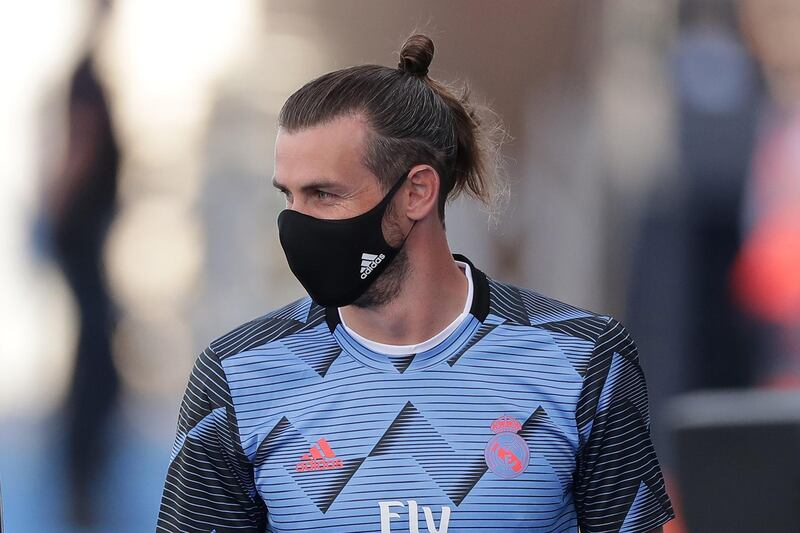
{"type": "Point", "coordinates": [319, 170]}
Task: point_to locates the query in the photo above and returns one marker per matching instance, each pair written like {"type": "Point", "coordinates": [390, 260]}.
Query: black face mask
{"type": "Point", "coordinates": [337, 260]}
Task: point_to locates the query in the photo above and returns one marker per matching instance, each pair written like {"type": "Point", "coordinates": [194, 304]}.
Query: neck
{"type": "Point", "coordinates": [432, 295]}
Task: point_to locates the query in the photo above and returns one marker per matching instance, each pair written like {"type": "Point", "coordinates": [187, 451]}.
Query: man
{"type": "Point", "coordinates": [409, 392]}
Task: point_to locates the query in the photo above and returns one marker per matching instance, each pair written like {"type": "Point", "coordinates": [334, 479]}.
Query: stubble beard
{"type": "Point", "coordinates": [388, 285]}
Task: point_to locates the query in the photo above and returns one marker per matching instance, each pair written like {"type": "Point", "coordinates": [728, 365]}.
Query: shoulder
{"type": "Point", "coordinates": [589, 339]}
{"type": "Point", "coordinates": [599, 347]}
{"type": "Point", "coordinates": [279, 323]}
{"type": "Point", "coordinates": [526, 307]}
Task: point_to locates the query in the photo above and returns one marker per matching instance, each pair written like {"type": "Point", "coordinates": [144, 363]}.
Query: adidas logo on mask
{"type": "Point", "coordinates": [369, 262]}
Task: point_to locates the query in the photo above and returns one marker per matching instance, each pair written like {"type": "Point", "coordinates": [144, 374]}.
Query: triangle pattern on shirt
{"type": "Point", "coordinates": [454, 473]}
{"type": "Point", "coordinates": [323, 486]}
{"type": "Point", "coordinates": [506, 301]}
{"type": "Point", "coordinates": [640, 516]}
{"type": "Point", "coordinates": [545, 438]}
{"type": "Point", "coordinates": [402, 362]}
{"type": "Point", "coordinates": [483, 330]}
{"type": "Point", "coordinates": [315, 348]}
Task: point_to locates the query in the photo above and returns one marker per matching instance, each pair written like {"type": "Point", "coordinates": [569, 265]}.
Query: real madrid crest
{"type": "Point", "coordinates": [506, 453]}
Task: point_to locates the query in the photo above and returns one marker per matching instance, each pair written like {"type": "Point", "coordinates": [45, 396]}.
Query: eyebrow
{"type": "Point", "coordinates": [319, 183]}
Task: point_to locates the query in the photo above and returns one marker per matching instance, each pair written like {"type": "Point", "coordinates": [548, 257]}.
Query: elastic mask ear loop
{"type": "Point", "coordinates": [392, 191]}
{"type": "Point", "coordinates": [407, 234]}
{"type": "Point", "coordinates": [390, 195]}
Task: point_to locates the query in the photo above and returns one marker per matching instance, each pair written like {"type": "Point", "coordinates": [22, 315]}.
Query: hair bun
{"type": "Point", "coordinates": [416, 55]}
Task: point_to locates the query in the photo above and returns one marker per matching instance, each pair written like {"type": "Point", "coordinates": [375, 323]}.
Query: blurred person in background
{"type": "Point", "coordinates": [690, 329]}
{"type": "Point", "coordinates": [732, 296]}
{"type": "Point", "coordinates": [719, 95]}
{"type": "Point", "coordinates": [80, 207]}
{"type": "Point", "coordinates": [694, 334]}
{"type": "Point", "coordinates": [766, 276]}
{"type": "Point", "coordinates": [408, 386]}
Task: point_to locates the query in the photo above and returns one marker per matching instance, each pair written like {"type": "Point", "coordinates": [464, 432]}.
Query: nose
{"type": "Point", "coordinates": [303, 205]}
{"type": "Point", "coordinates": [297, 205]}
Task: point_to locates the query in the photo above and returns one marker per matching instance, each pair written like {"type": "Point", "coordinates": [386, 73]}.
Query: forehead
{"type": "Point", "coordinates": [332, 150]}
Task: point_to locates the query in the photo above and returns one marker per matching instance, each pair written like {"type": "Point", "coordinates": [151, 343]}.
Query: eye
{"type": "Point", "coordinates": [286, 195]}
{"type": "Point", "coordinates": [323, 195]}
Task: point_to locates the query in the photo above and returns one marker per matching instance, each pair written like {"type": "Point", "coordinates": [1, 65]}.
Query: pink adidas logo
{"type": "Point", "coordinates": [319, 457]}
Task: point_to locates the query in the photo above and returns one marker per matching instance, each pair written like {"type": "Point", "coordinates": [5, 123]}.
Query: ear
{"type": "Point", "coordinates": [422, 192]}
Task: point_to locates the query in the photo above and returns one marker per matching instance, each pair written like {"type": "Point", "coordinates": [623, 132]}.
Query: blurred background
{"type": "Point", "coordinates": [654, 167]}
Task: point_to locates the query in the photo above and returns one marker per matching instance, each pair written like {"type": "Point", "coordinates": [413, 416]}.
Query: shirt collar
{"type": "Point", "coordinates": [480, 296]}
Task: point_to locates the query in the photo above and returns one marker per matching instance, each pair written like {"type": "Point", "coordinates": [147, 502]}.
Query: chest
{"type": "Point", "coordinates": [461, 448]}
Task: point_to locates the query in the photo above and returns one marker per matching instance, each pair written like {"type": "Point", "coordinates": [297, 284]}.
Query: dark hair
{"type": "Point", "coordinates": [412, 119]}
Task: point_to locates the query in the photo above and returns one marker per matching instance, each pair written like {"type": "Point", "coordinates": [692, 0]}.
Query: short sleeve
{"type": "Point", "coordinates": [618, 483]}
{"type": "Point", "coordinates": [209, 485]}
